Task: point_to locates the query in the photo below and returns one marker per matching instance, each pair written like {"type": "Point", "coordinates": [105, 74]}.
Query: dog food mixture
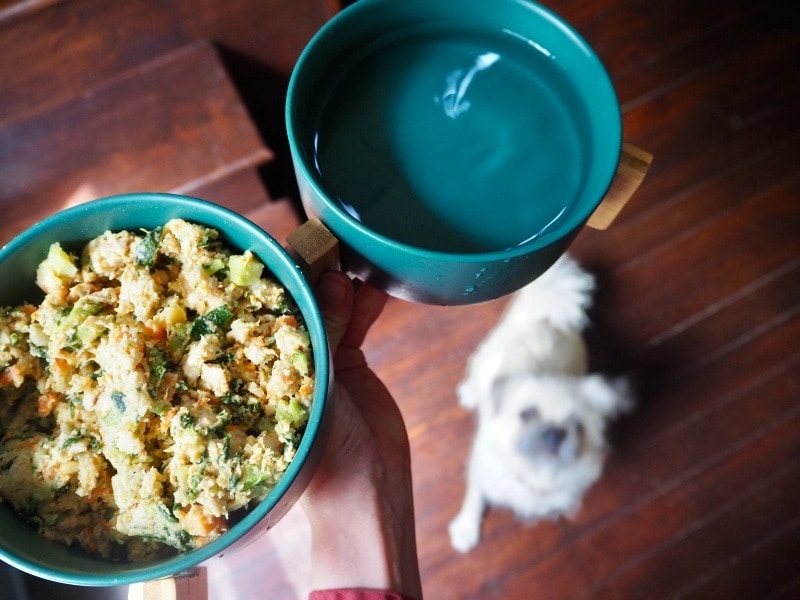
{"type": "Point", "coordinates": [162, 384]}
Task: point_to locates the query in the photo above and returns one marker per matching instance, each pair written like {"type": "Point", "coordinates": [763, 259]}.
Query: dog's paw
{"type": "Point", "coordinates": [465, 532]}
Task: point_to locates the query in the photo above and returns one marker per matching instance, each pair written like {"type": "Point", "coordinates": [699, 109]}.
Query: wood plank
{"type": "Point", "coordinates": [696, 47]}
{"type": "Point", "coordinates": [171, 125]}
{"type": "Point", "coordinates": [703, 337]}
{"type": "Point", "coordinates": [278, 218]}
{"type": "Point", "coordinates": [255, 29]}
{"type": "Point", "coordinates": [63, 50]}
{"type": "Point", "coordinates": [241, 191]}
{"type": "Point", "coordinates": [697, 206]}
{"type": "Point", "coordinates": [13, 8]}
{"type": "Point", "coordinates": [703, 437]}
{"type": "Point", "coordinates": [698, 552]}
{"type": "Point", "coordinates": [661, 44]}
{"type": "Point", "coordinates": [676, 399]}
{"type": "Point", "coordinates": [259, 54]}
{"type": "Point", "coordinates": [765, 568]}
{"type": "Point", "coordinates": [726, 256]}
{"type": "Point", "coordinates": [707, 114]}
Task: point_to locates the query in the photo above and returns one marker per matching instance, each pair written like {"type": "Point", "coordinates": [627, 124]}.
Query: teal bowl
{"type": "Point", "coordinates": [455, 149]}
{"type": "Point", "coordinates": [20, 545]}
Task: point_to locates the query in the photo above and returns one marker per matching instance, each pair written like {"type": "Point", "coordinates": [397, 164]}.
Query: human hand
{"type": "Point", "coordinates": [360, 502]}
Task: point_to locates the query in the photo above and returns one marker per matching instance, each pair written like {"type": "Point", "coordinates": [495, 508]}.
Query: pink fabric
{"type": "Point", "coordinates": [356, 594]}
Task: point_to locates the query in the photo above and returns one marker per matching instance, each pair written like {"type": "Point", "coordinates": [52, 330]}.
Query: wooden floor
{"type": "Point", "coordinates": [699, 301]}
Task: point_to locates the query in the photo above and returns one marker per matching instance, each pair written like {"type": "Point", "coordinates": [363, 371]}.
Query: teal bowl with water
{"type": "Point", "coordinates": [20, 545]}
{"type": "Point", "coordinates": [454, 148]}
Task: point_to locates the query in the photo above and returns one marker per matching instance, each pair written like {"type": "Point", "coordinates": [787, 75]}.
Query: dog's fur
{"type": "Point", "coordinates": [541, 418]}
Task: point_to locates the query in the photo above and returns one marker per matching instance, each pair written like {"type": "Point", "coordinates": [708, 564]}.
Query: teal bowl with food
{"type": "Point", "coordinates": [164, 377]}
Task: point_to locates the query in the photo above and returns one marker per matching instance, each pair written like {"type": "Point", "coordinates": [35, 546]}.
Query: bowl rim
{"type": "Point", "coordinates": [227, 222]}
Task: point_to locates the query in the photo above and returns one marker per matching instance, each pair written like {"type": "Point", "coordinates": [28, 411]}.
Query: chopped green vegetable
{"type": "Point", "coordinates": [159, 365]}
{"type": "Point", "coordinates": [88, 332]}
{"type": "Point", "coordinates": [291, 411]}
{"type": "Point", "coordinates": [71, 440]}
{"type": "Point", "coordinates": [214, 266]}
{"type": "Point", "coordinates": [59, 262]}
{"type": "Point", "coordinates": [299, 361]}
{"type": "Point", "coordinates": [78, 313]}
{"type": "Point", "coordinates": [253, 478]}
{"type": "Point", "coordinates": [220, 315]}
{"type": "Point", "coordinates": [244, 269]}
{"type": "Point", "coordinates": [201, 327]}
{"type": "Point", "coordinates": [211, 322]}
{"type": "Point", "coordinates": [187, 422]}
{"type": "Point", "coordinates": [158, 362]}
{"type": "Point", "coordinates": [167, 513]}
{"type": "Point", "coordinates": [148, 248]}
{"type": "Point", "coordinates": [178, 335]}
{"type": "Point", "coordinates": [226, 447]}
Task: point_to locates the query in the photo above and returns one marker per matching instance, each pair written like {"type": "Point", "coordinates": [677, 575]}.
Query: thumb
{"type": "Point", "coordinates": [335, 295]}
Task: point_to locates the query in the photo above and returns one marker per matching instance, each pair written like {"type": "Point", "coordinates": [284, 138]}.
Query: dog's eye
{"type": "Point", "coordinates": [528, 415]}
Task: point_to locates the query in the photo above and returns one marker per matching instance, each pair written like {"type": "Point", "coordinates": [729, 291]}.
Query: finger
{"type": "Point", "coordinates": [368, 305]}
{"type": "Point", "coordinates": [335, 297]}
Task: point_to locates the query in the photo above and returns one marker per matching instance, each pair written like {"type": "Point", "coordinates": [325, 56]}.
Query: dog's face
{"type": "Point", "coordinates": [551, 429]}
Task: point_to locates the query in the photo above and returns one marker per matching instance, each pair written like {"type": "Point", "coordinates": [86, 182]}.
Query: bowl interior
{"type": "Point", "coordinates": [20, 545]}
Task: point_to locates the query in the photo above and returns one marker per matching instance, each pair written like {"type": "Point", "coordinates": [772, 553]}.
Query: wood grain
{"type": "Point", "coordinates": [174, 123]}
{"type": "Point", "coordinates": [698, 295]}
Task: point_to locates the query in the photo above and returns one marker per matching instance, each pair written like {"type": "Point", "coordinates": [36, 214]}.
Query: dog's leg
{"type": "Point", "coordinates": [465, 528]}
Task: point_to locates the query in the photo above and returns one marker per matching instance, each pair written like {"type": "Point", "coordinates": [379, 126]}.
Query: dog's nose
{"type": "Point", "coordinates": [553, 437]}
{"type": "Point", "coordinates": [549, 442]}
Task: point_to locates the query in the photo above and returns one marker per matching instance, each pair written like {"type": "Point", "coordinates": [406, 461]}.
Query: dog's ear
{"type": "Point", "coordinates": [611, 397]}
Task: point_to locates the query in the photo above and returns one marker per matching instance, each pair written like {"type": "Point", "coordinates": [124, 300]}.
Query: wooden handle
{"type": "Point", "coordinates": [633, 165]}
{"type": "Point", "coordinates": [315, 249]}
{"type": "Point", "coordinates": [191, 586]}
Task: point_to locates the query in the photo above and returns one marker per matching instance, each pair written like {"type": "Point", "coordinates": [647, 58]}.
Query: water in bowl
{"type": "Point", "coordinates": [453, 141]}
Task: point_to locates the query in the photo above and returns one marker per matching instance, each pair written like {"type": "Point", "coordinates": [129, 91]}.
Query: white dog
{"type": "Point", "coordinates": [541, 418]}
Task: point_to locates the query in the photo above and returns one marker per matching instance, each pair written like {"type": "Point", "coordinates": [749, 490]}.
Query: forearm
{"type": "Point", "coordinates": [363, 538]}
